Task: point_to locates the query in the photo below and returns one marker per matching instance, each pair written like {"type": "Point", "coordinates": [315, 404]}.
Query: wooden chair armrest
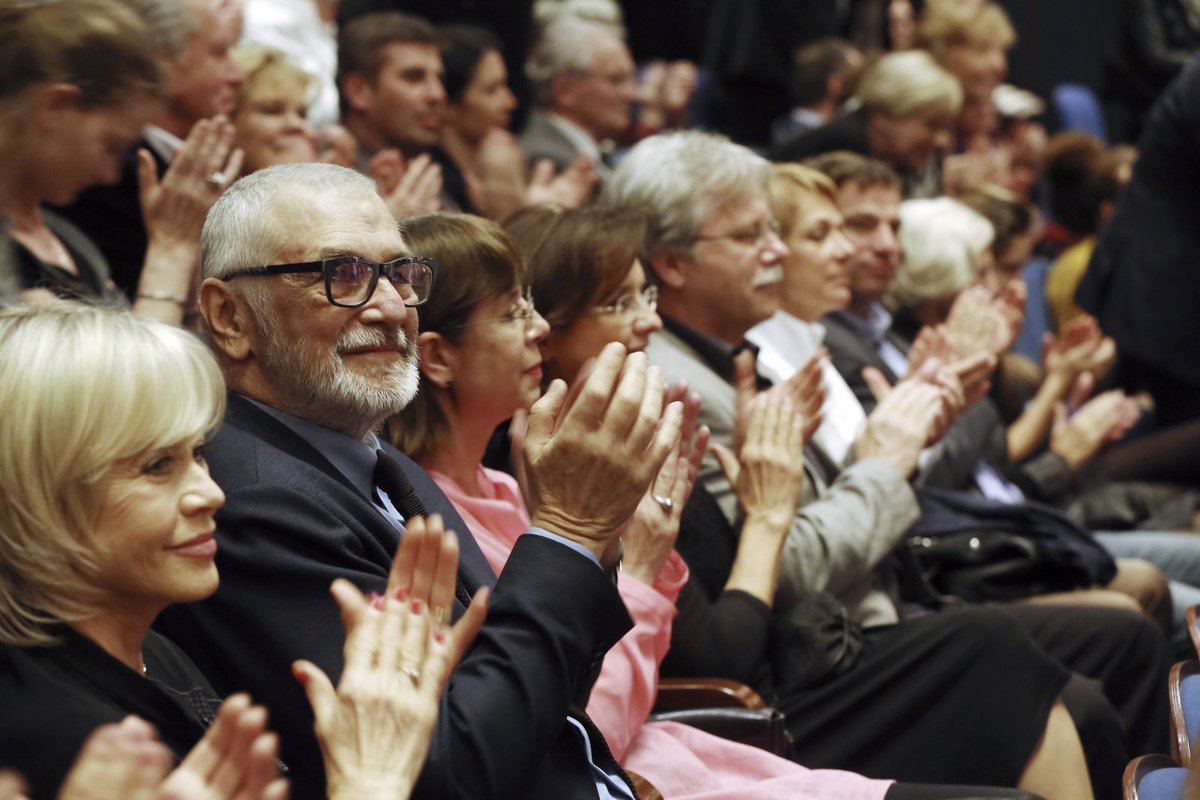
{"type": "Point", "coordinates": [677, 694]}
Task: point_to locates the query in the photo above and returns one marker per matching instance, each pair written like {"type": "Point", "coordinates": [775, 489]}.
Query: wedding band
{"type": "Point", "coordinates": [440, 615]}
{"type": "Point", "coordinates": [216, 179]}
{"type": "Point", "coordinates": [666, 502]}
{"type": "Point", "coordinates": [411, 672]}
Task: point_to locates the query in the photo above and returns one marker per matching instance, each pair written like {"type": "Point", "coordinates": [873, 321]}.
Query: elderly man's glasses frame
{"type": "Point", "coordinates": [350, 281]}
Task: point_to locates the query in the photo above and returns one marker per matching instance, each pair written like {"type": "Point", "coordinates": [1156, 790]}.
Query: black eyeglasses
{"type": "Point", "coordinates": [350, 281]}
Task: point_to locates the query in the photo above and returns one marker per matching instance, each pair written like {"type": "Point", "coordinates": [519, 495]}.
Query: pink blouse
{"type": "Point", "coordinates": [682, 762]}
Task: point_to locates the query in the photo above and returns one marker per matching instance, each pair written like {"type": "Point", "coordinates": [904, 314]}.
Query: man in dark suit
{"type": "Point", "coordinates": [316, 361]}
{"type": "Point", "coordinates": [195, 38]}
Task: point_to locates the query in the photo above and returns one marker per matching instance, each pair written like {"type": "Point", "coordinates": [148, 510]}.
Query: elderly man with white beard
{"type": "Point", "coordinates": [308, 296]}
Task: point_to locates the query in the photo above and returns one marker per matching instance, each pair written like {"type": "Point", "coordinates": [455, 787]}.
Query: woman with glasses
{"type": "Point", "coordinates": [477, 321]}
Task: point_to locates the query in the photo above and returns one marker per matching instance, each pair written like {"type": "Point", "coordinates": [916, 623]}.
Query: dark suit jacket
{"type": "Point", "coordinates": [1143, 283]}
{"type": "Point", "coordinates": [111, 216]}
{"type": "Point", "coordinates": [978, 433]}
{"type": "Point", "coordinates": [292, 523]}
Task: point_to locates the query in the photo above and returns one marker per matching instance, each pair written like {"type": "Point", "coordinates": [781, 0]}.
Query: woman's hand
{"type": "Point", "coordinates": [770, 474]}
{"type": "Point", "coordinates": [235, 760]}
{"type": "Point", "coordinates": [409, 188]}
{"type": "Point", "coordinates": [374, 728]}
{"type": "Point", "coordinates": [204, 167]}
{"type": "Point", "coordinates": [654, 527]}
{"type": "Point", "coordinates": [1104, 418]}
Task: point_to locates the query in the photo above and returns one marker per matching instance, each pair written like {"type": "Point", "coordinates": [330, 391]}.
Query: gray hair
{"type": "Point", "coordinates": [682, 178]}
{"type": "Point", "coordinates": [565, 47]}
{"type": "Point", "coordinates": [171, 24]}
{"type": "Point", "coordinates": [909, 82]}
{"type": "Point", "coordinates": [943, 244]}
{"type": "Point", "coordinates": [243, 228]}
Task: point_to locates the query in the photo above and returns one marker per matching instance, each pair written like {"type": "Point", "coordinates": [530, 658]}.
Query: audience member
{"type": "Point", "coordinates": [1083, 179]}
{"type": "Point", "coordinates": [906, 119]}
{"type": "Point", "coordinates": [270, 110]}
{"type": "Point", "coordinates": [393, 103]}
{"type": "Point", "coordinates": [1139, 284]}
{"type": "Point", "coordinates": [69, 117]}
{"type": "Point", "coordinates": [124, 219]}
{"type": "Point", "coordinates": [863, 336]}
{"type": "Point", "coordinates": [483, 166]}
{"type": "Point", "coordinates": [108, 519]}
{"type": "Point", "coordinates": [824, 74]}
{"type": "Point", "coordinates": [318, 353]}
{"type": "Point", "coordinates": [718, 263]}
{"type": "Point", "coordinates": [584, 80]}
{"type": "Point", "coordinates": [305, 31]}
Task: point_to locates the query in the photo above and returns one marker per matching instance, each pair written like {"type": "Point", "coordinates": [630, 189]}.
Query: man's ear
{"type": "Point", "coordinates": [227, 317]}
{"type": "Point", "coordinates": [358, 91]}
{"type": "Point", "coordinates": [55, 100]}
{"type": "Point", "coordinates": [562, 91]}
{"type": "Point", "coordinates": [439, 359]}
{"type": "Point", "coordinates": [670, 267]}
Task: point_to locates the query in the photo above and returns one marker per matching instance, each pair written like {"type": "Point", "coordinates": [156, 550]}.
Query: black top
{"type": "Point", "coordinates": [92, 282]}
{"type": "Point", "coordinates": [54, 697]}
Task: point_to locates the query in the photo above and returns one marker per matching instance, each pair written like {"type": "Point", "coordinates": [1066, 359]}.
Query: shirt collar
{"type": "Point", "coordinates": [353, 458]}
{"type": "Point", "coordinates": [162, 142]}
{"type": "Point", "coordinates": [716, 353]}
{"type": "Point", "coordinates": [875, 324]}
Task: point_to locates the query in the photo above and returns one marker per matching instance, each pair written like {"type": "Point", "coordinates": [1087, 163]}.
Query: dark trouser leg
{"type": "Point", "coordinates": [1126, 656]}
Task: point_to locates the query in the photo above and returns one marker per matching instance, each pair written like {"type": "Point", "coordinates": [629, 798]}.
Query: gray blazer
{"type": "Point", "coordinates": [841, 531]}
{"type": "Point", "coordinates": [541, 138]}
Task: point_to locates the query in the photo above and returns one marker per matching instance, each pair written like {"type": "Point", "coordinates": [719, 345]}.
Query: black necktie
{"type": "Point", "coordinates": [389, 476]}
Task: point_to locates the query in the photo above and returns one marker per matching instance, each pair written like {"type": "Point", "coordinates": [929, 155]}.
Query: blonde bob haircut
{"type": "Point", "coordinates": [908, 83]}
{"type": "Point", "coordinates": [266, 69]}
{"type": "Point", "coordinates": [944, 244]}
{"type": "Point", "coordinates": [85, 387]}
{"type": "Point", "coordinates": [790, 187]}
{"type": "Point", "coordinates": [953, 23]}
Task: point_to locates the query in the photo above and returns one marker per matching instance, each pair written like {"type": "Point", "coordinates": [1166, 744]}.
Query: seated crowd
{"type": "Point", "coordinates": [366, 435]}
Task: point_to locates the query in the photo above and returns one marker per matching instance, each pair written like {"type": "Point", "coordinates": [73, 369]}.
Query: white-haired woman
{"type": "Point", "coordinates": [108, 517]}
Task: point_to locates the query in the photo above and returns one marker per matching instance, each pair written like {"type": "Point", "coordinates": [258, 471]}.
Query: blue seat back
{"type": "Point", "coordinates": [1078, 109]}
{"type": "Point", "coordinates": [1163, 784]}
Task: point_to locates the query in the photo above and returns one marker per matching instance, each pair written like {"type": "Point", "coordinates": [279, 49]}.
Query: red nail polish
{"type": "Point", "coordinates": [439, 636]}
{"type": "Point", "coordinates": [301, 676]}
{"type": "Point", "coordinates": [402, 593]}
{"type": "Point", "coordinates": [416, 606]}
{"type": "Point", "coordinates": [372, 597]}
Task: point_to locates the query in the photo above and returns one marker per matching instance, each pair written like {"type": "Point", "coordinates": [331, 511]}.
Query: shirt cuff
{"type": "Point", "coordinates": [554, 537]}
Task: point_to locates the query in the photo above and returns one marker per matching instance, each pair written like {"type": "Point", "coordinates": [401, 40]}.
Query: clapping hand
{"type": "Point", "coordinates": [592, 453]}
{"type": "Point", "coordinates": [651, 533]}
{"type": "Point", "coordinates": [408, 187]}
{"type": "Point", "coordinates": [235, 760]}
{"type": "Point", "coordinates": [375, 727]}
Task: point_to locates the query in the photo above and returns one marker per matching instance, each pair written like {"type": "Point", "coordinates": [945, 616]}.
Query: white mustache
{"type": "Point", "coordinates": [360, 338]}
{"type": "Point", "coordinates": [767, 277]}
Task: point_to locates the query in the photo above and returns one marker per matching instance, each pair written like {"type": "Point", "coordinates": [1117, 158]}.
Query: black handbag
{"type": "Point", "coordinates": [981, 549]}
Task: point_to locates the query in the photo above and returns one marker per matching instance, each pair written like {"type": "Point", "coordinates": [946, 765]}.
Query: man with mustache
{"type": "Point", "coordinates": [307, 299]}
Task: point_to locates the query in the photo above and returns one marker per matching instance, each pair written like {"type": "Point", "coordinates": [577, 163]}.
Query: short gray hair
{"type": "Point", "coordinates": [565, 46]}
{"type": "Point", "coordinates": [907, 83]}
{"type": "Point", "coordinates": [171, 24]}
{"type": "Point", "coordinates": [682, 178]}
{"type": "Point", "coordinates": [943, 244]}
{"type": "Point", "coordinates": [243, 228]}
